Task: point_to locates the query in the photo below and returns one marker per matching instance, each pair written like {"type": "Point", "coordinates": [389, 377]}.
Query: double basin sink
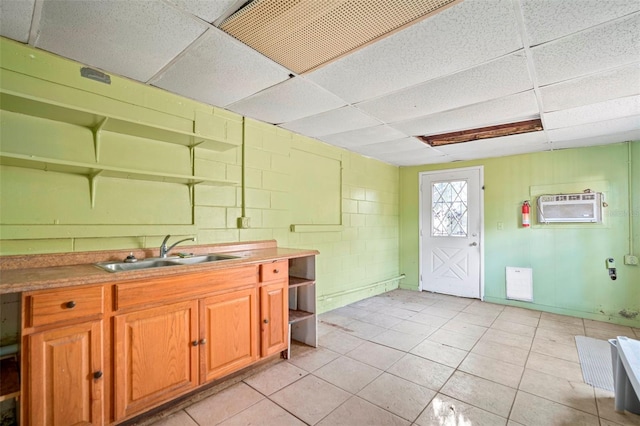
{"type": "Point", "coordinates": [162, 262]}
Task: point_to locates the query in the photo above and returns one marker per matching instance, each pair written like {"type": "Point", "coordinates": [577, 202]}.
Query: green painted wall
{"type": "Point", "coordinates": [568, 260]}
{"type": "Point", "coordinates": [47, 212]}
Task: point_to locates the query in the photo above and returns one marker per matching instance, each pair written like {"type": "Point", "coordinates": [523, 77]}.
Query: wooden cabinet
{"type": "Point", "coordinates": [156, 356]}
{"type": "Point", "coordinates": [230, 324]}
{"type": "Point", "coordinates": [63, 364]}
{"type": "Point", "coordinates": [274, 310]}
{"type": "Point", "coordinates": [302, 300]}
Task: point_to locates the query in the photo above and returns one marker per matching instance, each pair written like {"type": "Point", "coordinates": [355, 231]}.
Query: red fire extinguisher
{"type": "Point", "coordinates": [525, 214]}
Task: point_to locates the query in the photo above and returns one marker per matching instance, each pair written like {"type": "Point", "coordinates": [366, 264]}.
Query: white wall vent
{"type": "Point", "coordinates": [562, 208]}
{"type": "Point", "coordinates": [520, 284]}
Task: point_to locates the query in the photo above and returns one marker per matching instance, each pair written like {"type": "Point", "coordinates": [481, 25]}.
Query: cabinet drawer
{"type": "Point", "coordinates": [274, 271]}
{"type": "Point", "coordinates": [48, 307]}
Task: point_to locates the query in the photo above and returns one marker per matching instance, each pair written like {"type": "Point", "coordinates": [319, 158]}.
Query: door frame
{"type": "Point", "coordinates": [480, 169]}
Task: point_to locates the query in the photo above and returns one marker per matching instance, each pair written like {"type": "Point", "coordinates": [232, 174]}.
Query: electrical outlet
{"type": "Point", "coordinates": [500, 226]}
{"type": "Point", "coordinates": [630, 259]}
{"type": "Point", "coordinates": [243, 223]}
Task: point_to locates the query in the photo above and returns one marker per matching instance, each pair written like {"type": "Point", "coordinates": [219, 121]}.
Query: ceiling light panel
{"type": "Point", "coordinates": [290, 100]}
{"type": "Point", "coordinates": [549, 20]}
{"type": "Point", "coordinates": [590, 51]}
{"type": "Point", "coordinates": [518, 107]}
{"type": "Point", "coordinates": [303, 34]}
{"type": "Point", "coordinates": [15, 19]}
{"type": "Point", "coordinates": [220, 70]}
{"type": "Point", "coordinates": [611, 84]}
{"type": "Point", "coordinates": [134, 39]}
{"type": "Point", "coordinates": [505, 76]}
{"type": "Point", "coordinates": [206, 10]}
{"type": "Point", "coordinates": [608, 110]}
{"type": "Point", "coordinates": [335, 121]}
{"type": "Point", "coordinates": [600, 128]}
{"type": "Point", "coordinates": [364, 136]}
{"type": "Point", "coordinates": [463, 36]}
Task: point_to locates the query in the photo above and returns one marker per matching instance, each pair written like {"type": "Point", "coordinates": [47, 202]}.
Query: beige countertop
{"type": "Point", "coordinates": [39, 272]}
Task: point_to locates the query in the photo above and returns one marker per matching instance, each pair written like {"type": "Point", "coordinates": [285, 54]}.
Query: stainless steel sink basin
{"type": "Point", "coordinates": [160, 263]}
{"type": "Point", "coordinates": [203, 259]}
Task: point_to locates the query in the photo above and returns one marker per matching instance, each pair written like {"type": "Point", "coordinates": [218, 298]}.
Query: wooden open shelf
{"type": "Point", "coordinates": [295, 316]}
{"type": "Point", "coordinates": [297, 282]}
{"type": "Point", "coordinates": [9, 379]}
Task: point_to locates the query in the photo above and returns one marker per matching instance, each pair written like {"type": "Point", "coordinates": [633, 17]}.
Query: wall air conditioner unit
{"type": "Point", "coordinates": [563, 208]}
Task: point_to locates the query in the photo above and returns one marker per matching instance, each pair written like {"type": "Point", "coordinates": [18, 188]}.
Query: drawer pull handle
{"type": "Point", "coordinates": [71, 304]}
{"type": "Point", "coordinates": [194, 343]}
{"type": "Point", "coordinates": [266, 321]}
{"type": "Point", "coordinates": [203, 341]}
{"type": "Point", "coordinates": [276, 271]}
{"type": "Point", "coordinates": [97, 374]}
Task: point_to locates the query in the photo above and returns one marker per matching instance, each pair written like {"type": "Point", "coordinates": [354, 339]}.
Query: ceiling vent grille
{"type": "Point", "coordinates": [302, 35]}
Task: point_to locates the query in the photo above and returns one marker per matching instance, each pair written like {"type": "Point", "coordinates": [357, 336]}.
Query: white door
{"type": "Point", "coordinates": [450, 229]}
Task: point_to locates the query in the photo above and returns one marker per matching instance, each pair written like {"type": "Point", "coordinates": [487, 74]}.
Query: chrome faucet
{"type": "Point", "coordinates": [163, 247]}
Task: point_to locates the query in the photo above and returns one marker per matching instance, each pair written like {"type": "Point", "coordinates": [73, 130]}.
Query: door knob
{"type": "Point", "coordinates": [473, 244]}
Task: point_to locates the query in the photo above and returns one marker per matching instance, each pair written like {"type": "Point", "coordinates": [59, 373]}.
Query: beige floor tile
{"type": "Point", "coordinates": [483, 320]}
{"type": "Point", "coordinates": [376, 355]}
{"type": "Point", "coordinates": [415, 328]}
{"type": "Point", "coordinates": [483, 308]}
{"type": "Point", "coordinates": [561, 318]}
{"type": "Point", "coordinates": [313, 359]}
{"type": "Point", "coordinates": [413, 306]}
{"type": "Point", "coordinates": [488, 368]}
{"type": "Point", "coordinates": [444, 411]}
{"type": "Point", "coordinates": [357, 411]}
{"type": "Point", "coordinates": [512, 318]}
{"type": "Point", "coordinates": [351, 312]}
{"type": "Point", "coordinates": [501, 352]}
{"type": "Point", "coordinates": [561, 326]}
{"type": "Point", "coordinates": [510, 326]}
{"type": "Point", "coordinates": [332, 318]}
{"type": "Point", "coordinates": [615, 328]}
{"type": "Point", "coordinates": [381, 320]}
{"type": "Point", "coordinates": [440, 353]}
{"type": "Point", "coordinates": [603, 334]}
{"type": "Point", "coordinates": [348, 374]}
{"type": "Point", "coordinates": [558, 336]}
{"type": "Point", "coordinates": [264, 413]}
{"type": "Point", "coordinates": [512, 423]}
{"type": "Point", "coordinates": [340, 342]}
{"type": "Point", "coordinates": [221, 406]}
{"type": "Point", "coordinates": [363, 330]}
{"type": "Point", "coordinates": [557, 350]}
{"type": "Point", "coordinates": [604, 422]}
{"type": "Point", "coordinates": [310, 398]}
{"type": "Point", "coordinates": [481, 393]}
{"type": "Point", "coordinates": [509, 339]}
{"type": "Point", "coordinates": [637, 331]}
{"type": "Point", "coordinates": [577, 395]}
{"type": "Point", "coordinates": [275, 378]}
{"type": "Point", "coordinates": [453, 305]}
{"type": "Point", "coordinates": [422, 371]}
{"type": "Point", "coordinates": [555, 367]}
{"type": "Point", "coordinates": [437, 311]}
{"type": "Point", "coordinates": [397, 340]}
{"type": "Point", "coordinates": [464, 328]}
{"type": "Point", "coordinates": [531, 410]}
{"type": "Point", "coordinates": [606, 410]}
{"type": "Point", "coordinates": [453, 339]}
{"type": "Point", "coordinates": [521, 311]}
{"type": "Point", "coordinates": [399, 396]}
{"type": "Point", "coordinates": [428, 319]}
{"type": "Point", "coordinates": [398, 312]}
{"type": "Point", "coordinates": [177, 419]}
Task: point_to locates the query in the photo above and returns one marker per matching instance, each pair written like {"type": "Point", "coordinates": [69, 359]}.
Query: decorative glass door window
{"type": "Point", "coordinates": [449, 209]}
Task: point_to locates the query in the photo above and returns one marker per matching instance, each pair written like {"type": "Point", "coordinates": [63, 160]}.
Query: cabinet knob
{"type": "Point", "coordinates": [70, 305]}
{"type": "Point", "coordinates": [266, 321]}
{"type": "Point", "coordinates": [203, 341]}
{"type": "Point", "coordinates": [194, 343]}
{"type": "Point", "coordinates": [97, 374]}
{"type": "Point", "coordinates": [276, 271]}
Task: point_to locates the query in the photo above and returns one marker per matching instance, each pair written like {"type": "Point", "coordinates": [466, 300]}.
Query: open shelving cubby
{"type": "Point", "coordinates": [302, 300]}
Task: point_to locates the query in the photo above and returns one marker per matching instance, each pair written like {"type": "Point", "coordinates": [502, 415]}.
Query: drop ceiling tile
{"type": "Point", "coordinates": [518, 107]}
{"type": "Point", "coordinates": [611, 84]}
{"type": "Point", "coordinates": [503, 152]}
{"type": "Point", "coordinates": [290, 100]}
{"type": "Point", "coordinates": [551, 19]}
{"type": "Point", "coordinates": [134, 39]}
{"type": "Point", "coordinates": [206, 10]}
{"type": "Point", "coordinates": [465, 35]}
{"type": "Point", "coordinates": [632, 135]}
{"type": "Point", "coordinates": [15, 19]}
{"type": "Point", "coordinates": [505, 76]}
{"type": "Point", "coordinates": [504, 143]}
{"type": "Point", "coordinates": [424, 155]}
{"type": "Point", "coordinates": [607, 110]}
{"type": "Point", "coordinates": [600, 128]}
{"type": "Point", "coordinates": [607, 46]}
{"type": "Point", "coordinates": [219, 70]}
{"type": "Point", "coordinates": [388, 147]}
{"type": "Point", "coordinates": [334, 121]}
{"type": "Point", "coordinates": [364, 136]}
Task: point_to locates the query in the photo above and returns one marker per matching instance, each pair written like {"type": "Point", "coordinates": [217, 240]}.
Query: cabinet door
{"type": "Point", "coordinates": [274, 320]}
{"type": "Point", "coordinates": [231, 333]}
{"type": "Point", "coordinates": [155, 357]}
{"type": "Point", "coordinates": [65, 384]}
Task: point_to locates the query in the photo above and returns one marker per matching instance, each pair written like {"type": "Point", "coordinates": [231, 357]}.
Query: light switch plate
{"type": "Point", "coordinates": [243, 223]}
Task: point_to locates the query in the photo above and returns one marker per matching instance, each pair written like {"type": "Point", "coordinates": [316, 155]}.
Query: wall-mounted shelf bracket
{"type": "Point", "coordinates": [97, 132]}
{"type": "Point", "coordinates": [92, 187]}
